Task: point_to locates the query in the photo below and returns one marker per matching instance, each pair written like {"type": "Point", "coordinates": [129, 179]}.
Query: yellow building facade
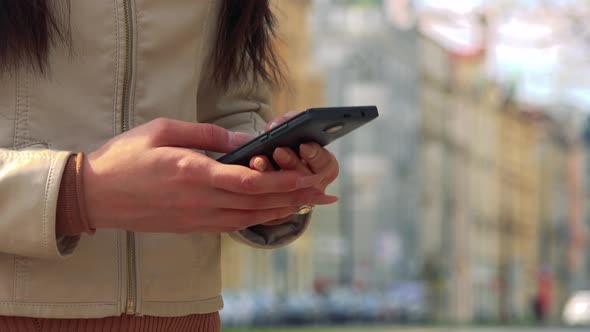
{"type": "Point", "coordinates": [482, 196]}
{"type": "Point", "coordinates": [519, 171]}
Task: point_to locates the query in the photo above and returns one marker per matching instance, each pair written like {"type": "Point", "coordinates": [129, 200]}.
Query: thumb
{"type": "Point", "coordinates": [202, 136]}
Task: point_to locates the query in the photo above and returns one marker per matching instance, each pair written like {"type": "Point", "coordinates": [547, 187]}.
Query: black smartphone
{"type": "Point", "coordinates": [321, 125]}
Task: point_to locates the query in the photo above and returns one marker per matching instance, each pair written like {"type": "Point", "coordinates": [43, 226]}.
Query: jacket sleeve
{"type": "Point", "coordinates": [246, 108]}
{"type": "Point", "coordinates": [29, 187]}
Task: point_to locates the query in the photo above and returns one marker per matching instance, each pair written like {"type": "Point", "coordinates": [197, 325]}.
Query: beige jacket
{"type": "Point", "coordinates": [132, 61]}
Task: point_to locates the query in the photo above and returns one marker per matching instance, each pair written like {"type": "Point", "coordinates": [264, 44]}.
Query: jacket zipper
{"type": "Point", "coordinates": [127, 79]}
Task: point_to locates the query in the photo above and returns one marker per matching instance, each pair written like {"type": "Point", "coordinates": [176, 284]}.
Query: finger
{"type": "Point", "coordinates": [279, 221]}
{"type": "Point", "coordinates": [203, 136]}
{"type": "Point", "coordinates": [295, 199]}
{"type": "Point", "coordinates": [241, 219]}
{"type": "Point", "coordinates": [216, 229]}
{"type": "Point", "coordinates": [280, 119]}
{"type": "Point", "coordinates": [244, 180]}
{"type": "Point", "coordinates": [261, 164]}
{"type": "Point", "coordinates": [319, 160]}
{"type": "Point", "coordinates": [206, 229]}
{"type": "Point", "coordinates": [288, 160]}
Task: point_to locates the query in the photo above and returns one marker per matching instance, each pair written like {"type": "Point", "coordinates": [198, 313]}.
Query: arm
{"type": "Point", "coordinates": [247, 109]}
{"type": "Point", "coordinates": [29, 188]}
{"type": "Point", "coordinates": [37, 194]}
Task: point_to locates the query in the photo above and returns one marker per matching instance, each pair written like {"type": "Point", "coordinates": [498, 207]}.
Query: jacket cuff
{"type": "Point", "coordinates": [276, 236]}
{"type": "Point", "coordinates": [58, 245]}
{"type": "Point", "coordinates": [34, 178]}
{"type": "Point", "coordinates": [71, 211]}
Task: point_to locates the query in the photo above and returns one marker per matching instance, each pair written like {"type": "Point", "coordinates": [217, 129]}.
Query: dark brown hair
{"type": "Point", "coordinates": [245, 42]}
{"type": "Point", "coordinates": [30, 28]}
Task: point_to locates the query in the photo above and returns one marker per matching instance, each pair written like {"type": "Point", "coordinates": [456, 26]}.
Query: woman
{"type": "Point", "coordinates": [140, 86]}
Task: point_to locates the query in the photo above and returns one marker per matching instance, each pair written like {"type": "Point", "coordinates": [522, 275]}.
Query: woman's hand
{"type": "Point", "coordinates": [149, 180]}
{"type": "Point", "coordinates": [312, 160]}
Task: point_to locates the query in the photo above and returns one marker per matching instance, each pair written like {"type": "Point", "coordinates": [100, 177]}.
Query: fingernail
{"type": "Point", "coordinates": [260, 164]}
{"type": "Point", "coordinates": [309, 181]}
{"type": "Point", "coordinates": [238, 138]}
{"type": "Point", "coordinates": [309, 151]}
{"type": "Point", "coordinates": [291, 114]}
{"type": "Point", "coordinates": [283, 155]}
{"type": "Point", "coordinates": [272, 125]}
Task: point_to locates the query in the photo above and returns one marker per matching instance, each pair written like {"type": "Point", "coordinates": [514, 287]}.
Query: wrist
{"type": "Point", "coordinates": [81, 192]}
{"type": "Point", "coordinates": [91, 184]}
{"type": "Point", "coordinates": [70, 215]}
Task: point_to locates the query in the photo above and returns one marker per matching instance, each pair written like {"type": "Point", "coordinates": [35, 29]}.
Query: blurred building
{"type": "Point", "coordinates": [554, 239]}
{"type": "Point", "coordinates": [460, 184]}
{"type": "Point", "coordinates": [368, 61]}
{"type": "Point", "coordinates": [485, 195]}
{"type": "Point", "coordinates": [519, 170]}
{"type": "Point", "coordinates": [456, 152]}
{"type": "Point", "coordinates": [287, 269]}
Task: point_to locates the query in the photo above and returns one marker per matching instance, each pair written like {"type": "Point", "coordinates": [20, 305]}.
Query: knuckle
{"type": "Point", "coordinates": [160, 128]}
{"type": "Point", "coordinates": [211, 132]}
{"type": "Point", "coordinates": [188, 168]}
{"type": "Point", "coordinates": [206, 129]}
{"type": "Point", "coordinates": [322, 164]}
{"type": "Point", "coordinates": [160, 124]}
{"type": "Point", "coordinates": [213, 177]}
{"type": "Point", "coordinates": [184, 166]}
{"type": "Point", "coordinates": [249, 183]}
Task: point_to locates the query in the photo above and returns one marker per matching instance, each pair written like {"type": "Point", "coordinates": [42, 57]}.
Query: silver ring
{"type": "Point", "coordinates": [305, 209]}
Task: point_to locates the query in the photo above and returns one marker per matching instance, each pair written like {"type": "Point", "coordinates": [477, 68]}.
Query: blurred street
{"type": "Point", "coordinates": [413, 329]}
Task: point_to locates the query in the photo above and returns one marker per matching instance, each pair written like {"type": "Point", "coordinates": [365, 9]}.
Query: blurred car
{"type": "Point", "coordinates": [265, 311]}
{"type": "Point", "coordinates": [301, 308]}
{"type": "Point", "coordinates": [405, 302]}
{"type": "Point", "coordinates": [371, 305]}
{"type": "Point", "coordinates": [238, 309]}
{"type": "Point", "coordinates": [342, 305]}
{"type": "Point", "coordinates": [577, 309]}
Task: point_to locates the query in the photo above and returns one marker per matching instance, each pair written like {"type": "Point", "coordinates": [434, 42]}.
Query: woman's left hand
{"type": "Point", "coordinates": [312, 159]}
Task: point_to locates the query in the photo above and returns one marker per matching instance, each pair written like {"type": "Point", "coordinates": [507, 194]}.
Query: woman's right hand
{"type": "Point", "coordinates": [149, 180]}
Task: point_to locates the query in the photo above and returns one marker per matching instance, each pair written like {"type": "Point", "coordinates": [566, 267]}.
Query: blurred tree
{"type": "Point", "coordinates": [366, 2]}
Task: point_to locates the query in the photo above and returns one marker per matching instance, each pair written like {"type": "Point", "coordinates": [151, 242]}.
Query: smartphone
{"type": "Point", "coordinates": [320, 125]}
